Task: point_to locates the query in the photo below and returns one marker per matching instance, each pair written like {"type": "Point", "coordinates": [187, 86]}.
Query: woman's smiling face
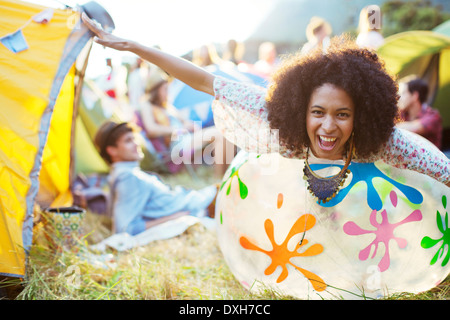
{"type": "Point", "coordinates": [329, 121]}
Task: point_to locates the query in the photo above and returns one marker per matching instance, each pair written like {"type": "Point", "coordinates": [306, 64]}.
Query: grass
{"type": "Point", "coordinates": [187, 267]}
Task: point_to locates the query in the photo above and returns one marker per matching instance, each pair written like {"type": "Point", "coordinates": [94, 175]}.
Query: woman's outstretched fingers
{"type": "Point", "coordinates": [90, 24]}
{"type": "Point", "coordinates": [103, 37]}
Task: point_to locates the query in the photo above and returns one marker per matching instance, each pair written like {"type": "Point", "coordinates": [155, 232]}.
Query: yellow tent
{"type": "Point", "coordinates": [38, 75]}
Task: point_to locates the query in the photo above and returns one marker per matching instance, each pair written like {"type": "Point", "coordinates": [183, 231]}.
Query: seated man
{"type": "Point", "coordinates": [140, 200]}
{"type": "Point", "coordinates": [417, 116]}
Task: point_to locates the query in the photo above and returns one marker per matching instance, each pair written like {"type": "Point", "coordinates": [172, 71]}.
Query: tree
{"type": "Point", "coordinates": [400, 16]}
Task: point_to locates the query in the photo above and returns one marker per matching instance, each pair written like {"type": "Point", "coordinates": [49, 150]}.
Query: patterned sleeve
{"type": "Point", "coordinates": [407, 150]}
{"type": "Point", "coordinates": [241, 116]}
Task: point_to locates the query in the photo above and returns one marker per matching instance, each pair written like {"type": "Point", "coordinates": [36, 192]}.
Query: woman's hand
{"type": "Point", "coordinates": [105, 38]}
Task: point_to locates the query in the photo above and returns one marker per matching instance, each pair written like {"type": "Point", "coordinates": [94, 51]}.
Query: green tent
{"type": "Point", "coordinates": [427, 55]}
{"type": "Point", "coordinates": [93, 110]}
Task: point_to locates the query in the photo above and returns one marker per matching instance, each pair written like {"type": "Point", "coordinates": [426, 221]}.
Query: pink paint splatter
{"type": "Point", "coordinates": [383, 234]}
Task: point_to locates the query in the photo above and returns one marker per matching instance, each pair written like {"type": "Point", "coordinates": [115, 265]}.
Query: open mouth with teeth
{"type": "Point", "coordinates": [327, 143]}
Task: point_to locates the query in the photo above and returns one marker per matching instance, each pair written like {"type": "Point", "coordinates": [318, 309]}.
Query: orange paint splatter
{"type": "Point", "coordinates": [280, 254]}
{"type": "Point", "coordinates": [280, 200]}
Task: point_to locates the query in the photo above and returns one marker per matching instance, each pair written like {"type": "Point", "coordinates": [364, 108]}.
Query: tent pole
{"type": "Point", "coordinates": [76, 102]}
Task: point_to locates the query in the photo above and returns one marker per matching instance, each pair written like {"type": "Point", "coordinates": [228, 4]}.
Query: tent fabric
{"type": "Point", "coordinates": [401, 50]}
{"type": "Point", "coordinates": [427, 55]}
{"type": "Point", "coordinates": [34, 82]}
{"type": "Point", "coordinates": [95, 107]}
{"type": "Point", "coordinates": [443, 28]}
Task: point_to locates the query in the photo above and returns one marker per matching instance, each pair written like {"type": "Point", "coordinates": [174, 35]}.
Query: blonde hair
{"type": "Point", "coordinates": [211, 57]}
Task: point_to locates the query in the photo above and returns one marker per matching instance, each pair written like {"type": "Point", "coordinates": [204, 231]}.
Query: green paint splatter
{"type": "Point", "coordinates": [443, 226]}
{"type": "Point", "coordinates": [243, 189]}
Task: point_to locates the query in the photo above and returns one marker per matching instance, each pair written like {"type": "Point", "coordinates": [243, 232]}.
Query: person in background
{"type": "Point", "coordinates": [107, 82]}
{"type": "Point", "coordinates": [171, 133]}
{"type": "Point", "coordinates": [139, 200]}
{"type": "Point", "coordinates": [318, 34]}
{"type": "Point", "coordinates": [369, 28]}
{"type": "Point", "coordinates": [416, 115]}
{"type": "Point", "coordinates": [206, 55]}
{"type": "Point", "coordinates": [268, 62]}
{"type": "Point", "coordinates": [233, 52]}
{"type": "Point", "coordinates": [136, 84]}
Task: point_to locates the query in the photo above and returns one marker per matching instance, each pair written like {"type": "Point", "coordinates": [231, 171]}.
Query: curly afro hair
{"type": "Point", "coordinates": [357, 71]}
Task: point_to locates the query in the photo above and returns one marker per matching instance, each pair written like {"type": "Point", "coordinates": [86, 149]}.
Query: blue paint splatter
{"type": "Point", "coordinates": [366, 172]}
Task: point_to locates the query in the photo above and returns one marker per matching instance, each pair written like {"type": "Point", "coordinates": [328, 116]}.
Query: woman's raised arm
{"type": "Point", "coordinates": [177, 67]}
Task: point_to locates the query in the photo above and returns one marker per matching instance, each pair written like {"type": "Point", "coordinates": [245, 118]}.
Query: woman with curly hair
{"type": "Point", "coordinates": [358, 74]}
{"type": "Point", "coordinates": [336, 105]}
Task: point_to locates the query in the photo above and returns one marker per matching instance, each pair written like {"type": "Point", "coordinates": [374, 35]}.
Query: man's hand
{"type": "Point", "coordinates": [105, 38]}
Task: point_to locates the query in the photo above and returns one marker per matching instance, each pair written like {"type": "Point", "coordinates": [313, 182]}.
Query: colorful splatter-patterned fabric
{"type": "Point", "coordinates": [240, 114]}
